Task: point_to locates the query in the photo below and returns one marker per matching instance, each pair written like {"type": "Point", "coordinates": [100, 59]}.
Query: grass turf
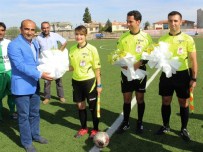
{"type": "Point", "coordinates": [59, 122]}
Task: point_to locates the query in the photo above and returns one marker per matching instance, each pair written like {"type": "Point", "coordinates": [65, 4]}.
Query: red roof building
{"type": "Point", "coordinates": [163, 24]}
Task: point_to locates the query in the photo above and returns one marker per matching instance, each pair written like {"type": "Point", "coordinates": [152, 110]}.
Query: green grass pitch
{"type": "Point", "coordinates": [59, 122]}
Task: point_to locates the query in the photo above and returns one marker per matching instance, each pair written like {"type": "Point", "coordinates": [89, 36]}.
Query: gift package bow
{"type": "Point", "coordinates": [125, 59]}
{"type": "Point", "coordinates": [160, 57]}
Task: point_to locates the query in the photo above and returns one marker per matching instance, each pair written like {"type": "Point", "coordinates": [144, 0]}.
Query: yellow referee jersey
{"type": "Point", "coordinates": [134, 44]}
{"type": "Point", "coordinates": [84, 61]}
{"type": "Point", "coordinates": [180, 45]}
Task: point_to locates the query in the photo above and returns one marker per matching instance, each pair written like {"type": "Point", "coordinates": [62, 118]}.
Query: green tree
{"type": "Point", "coordinates": [87, 16]}
{"type": "Point", "coordinates": [146, 25]}
{"type": "Point", "coordinates": [100, 28]}
{"type": "Point", "coordinates": [12, 32]}
{"type": "Point", "coordinates": [108, 26]}
{"type": "Point", "coordinates": [37, 29]}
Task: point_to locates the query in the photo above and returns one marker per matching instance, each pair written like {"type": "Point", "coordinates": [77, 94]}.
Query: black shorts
{"type": "Point", "coordinates": [134, 85]}
{"type": "Point", "coordinates": [84, 90]}
{"type": "Point", "coordinates": [179, 82]}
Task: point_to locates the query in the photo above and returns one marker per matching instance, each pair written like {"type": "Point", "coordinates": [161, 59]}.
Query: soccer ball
{"type": "Point", "coordinates": [101, 139]}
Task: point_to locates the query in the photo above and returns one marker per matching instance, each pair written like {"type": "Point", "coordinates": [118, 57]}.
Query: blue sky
{"type": "Point", "coordinates": [12, 12]}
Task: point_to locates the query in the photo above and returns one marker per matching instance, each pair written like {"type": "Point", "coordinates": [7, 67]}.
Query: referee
{"type": "Point", "coordinates": [134, 42]}
{"type": "Point", "coordinates": [181, 46]}
{"type": "Point", "coordinates": [86, 80]}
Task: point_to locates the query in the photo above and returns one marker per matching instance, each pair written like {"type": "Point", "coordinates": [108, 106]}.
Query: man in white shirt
{"type": "Point", "coordinates": [49, 41]}
{"type": "Point", "coordinates": [5, 74]}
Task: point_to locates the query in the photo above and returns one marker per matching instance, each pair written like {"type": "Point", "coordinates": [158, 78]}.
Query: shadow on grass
{"type": "Point", "coordinates": [59, 116]}
{"type": "Point", "coordinates": [148, 141]}
{"type": "Point", "coordinates": [193, 116]}
{"type": "Point", "coordinates": [126, 142]}
{"type": "Point", "coordinates": [167, 139]}
{"type": "Point", "coordinates": [9, 128]}
{"type": "Point", "coordinates": [52, 97]}
{"type": "Point", "coordinates": [196, 116]}
{"type": "Point", "coordinates": [70, 110]}
{"type": "Point", "coordinates": [129, 141]}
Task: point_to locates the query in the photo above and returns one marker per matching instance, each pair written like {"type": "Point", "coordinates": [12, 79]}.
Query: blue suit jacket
{"type": "Point", "coordinates": [25, 76]}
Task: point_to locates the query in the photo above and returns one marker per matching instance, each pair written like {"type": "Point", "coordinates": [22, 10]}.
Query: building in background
{"type": "Point", "coordinates": [61, 26]}
{"type": "Point", "coordinates": [92, 27]}
{"type": "Point", "coordinates": [65, 29]}
{"type": "Point", "coordinates": [119, 26]}
{"type": "Point", "coordinates": [199, 18]}
{"type": "Point", "coordinates": [187, 24]}
{"type": "Point", "coordinates": [163, 24]}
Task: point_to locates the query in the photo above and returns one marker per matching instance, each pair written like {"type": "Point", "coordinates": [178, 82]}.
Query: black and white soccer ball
{"type": "Point", "coordinates": [101, 139]}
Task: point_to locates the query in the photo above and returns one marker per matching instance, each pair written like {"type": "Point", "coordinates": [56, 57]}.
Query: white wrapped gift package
{"type": "Point", "coordinates": [162, 58]}
{"type": "Point", "coordinates": [126, 59]}
{"type": "Point", "coordinates": [55, 62]}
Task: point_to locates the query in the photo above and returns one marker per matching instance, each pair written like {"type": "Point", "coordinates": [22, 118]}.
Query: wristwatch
{"type": "Point", "coordinates": [99, 86]}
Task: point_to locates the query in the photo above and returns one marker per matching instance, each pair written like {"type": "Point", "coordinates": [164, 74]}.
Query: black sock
{"type": "Point", "coordinates": [166, 112]}
{"type": "Point", "coordinates": [126, 111]}
{"type": "Point", "coordinates": [141, 109]}
{"type": "Point", "coordinates": [184, 114]}
{"type": "Point", "coordinates": [83, 118]}
{"type": "Point", "coordinates": [95, 119]}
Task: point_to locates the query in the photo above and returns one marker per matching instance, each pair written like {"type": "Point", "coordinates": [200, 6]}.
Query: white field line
{"type": "Point", "coordinates": [104, 48]}
{"type": "Point", "coordinates": [118, 121]}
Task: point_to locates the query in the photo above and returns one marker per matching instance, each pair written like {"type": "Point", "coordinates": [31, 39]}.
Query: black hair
{"type": "Point", "coordinates": [137, 15]}
{"type": "Point", "coordinates": [175, 13]}
{"type": "Point", "coordinates": [45, 22]}
{"type": "Point", "coordinates": [3, 25]}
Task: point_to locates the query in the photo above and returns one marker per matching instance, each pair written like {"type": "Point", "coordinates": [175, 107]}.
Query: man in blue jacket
{"type": "Point", "coordinates": [23, 54]}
